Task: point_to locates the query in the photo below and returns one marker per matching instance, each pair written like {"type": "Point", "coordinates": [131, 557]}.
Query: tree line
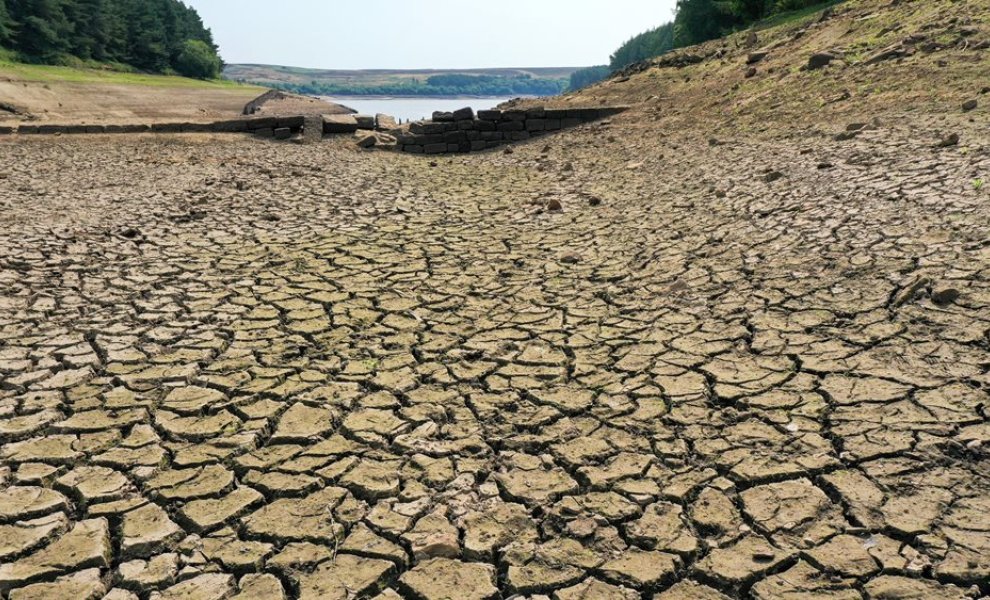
{"type": "Point", "coordinates": [157, 36]}
{"type": "Point", "coordinates": [695, 21]}
{"type": "Point", "coordinates": [453, 84]}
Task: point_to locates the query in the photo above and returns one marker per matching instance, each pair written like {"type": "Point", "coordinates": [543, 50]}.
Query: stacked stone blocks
{"type": "Point", "coordinates": [463, 131]}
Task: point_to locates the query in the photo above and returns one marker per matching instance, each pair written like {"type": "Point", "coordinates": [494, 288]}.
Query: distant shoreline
{"type": "Point", "coordinates": [413, 97]}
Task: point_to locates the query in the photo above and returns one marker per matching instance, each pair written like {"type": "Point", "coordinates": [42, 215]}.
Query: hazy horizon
{"type": "Point", "coordinates": [433, 34]}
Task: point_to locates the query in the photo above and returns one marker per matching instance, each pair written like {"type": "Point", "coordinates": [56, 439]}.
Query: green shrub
{"type": "Point", "coordinates": [197, 59]}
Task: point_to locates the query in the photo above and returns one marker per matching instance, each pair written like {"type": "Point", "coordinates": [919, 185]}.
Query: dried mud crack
{"type": "Point", "coordinates": [354, 375]}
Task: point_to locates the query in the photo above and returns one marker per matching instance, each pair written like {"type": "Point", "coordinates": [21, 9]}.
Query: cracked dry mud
{"type": "Point", "coordinates": [236, 370]}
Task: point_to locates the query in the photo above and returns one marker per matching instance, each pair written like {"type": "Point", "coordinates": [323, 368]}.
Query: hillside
{"type": "Point", "coordinates": [508, 81]}
{"type": "Point", "coordinates": [885, 59]}
{"type": "Point", "coordinates": [74, 95]}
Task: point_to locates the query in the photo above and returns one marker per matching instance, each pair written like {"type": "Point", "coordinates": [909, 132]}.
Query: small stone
{"type": "Point", "coordinates": [820, 59]}
{"type": "Point", "coordinates": [554, 205]}
{"type": "Point", "coordinates": [755, 57]}
{"type": "Point", "coordinates": [970, 105]}
{"type": "Point", "coordinates": [950, 140]}
{"type": "Point", "coordinates": [945, 296]}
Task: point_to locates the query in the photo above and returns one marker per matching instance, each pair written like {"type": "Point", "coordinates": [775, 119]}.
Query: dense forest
{"type": "Point", "coordinates": [698, 21]}
{"type": "Point", "coordinates": [645, 45]}
{"type": "Point", "coordinates": [439, 85]}
{"type": "Point", "coordinates": [585, 77]}
{"type": "Point", "coordinates": [157, 36]}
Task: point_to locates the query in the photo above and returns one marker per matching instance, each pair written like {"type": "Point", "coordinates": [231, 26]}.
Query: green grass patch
{"type": "Point", "coordinates": [55, 74]}
{"type": "Point", "coordinates": [794, 16]}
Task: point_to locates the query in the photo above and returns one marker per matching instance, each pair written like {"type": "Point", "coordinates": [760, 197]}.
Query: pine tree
{"type": "Point", "coordinates": [44, 31]}
{"type": "Point", "coordinates": [701, 20]}
{"type": "Point", "coordinates": [6, 24]}
{"type": "Point", "coordinates": [151, 35]}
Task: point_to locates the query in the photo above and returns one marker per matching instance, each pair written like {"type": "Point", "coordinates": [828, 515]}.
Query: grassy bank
{"type": "Point", "coordinates": [44, 73]}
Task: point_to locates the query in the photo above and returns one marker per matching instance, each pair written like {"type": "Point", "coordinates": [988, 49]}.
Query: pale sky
{"type": "Point", "coordinates": [422, 34]}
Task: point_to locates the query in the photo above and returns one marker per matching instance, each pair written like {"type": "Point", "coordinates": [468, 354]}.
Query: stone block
{"type": "Point", "coordinates": [492, 135]}
{"type": "Point", "coordinates": [413, 149]}
{"type": "Point", "coordinates": [536, 125]}
{"type": "Point", "coordinates": [294, 122]}
{"type": "Point", "coordinates": [464, 147]}
{"type": "Point", "coordinates": [283, 133]}
{"type": "Point", "coordinates": [266, 133]}
{"type": "Point", "coordinates": [339, 124]}
{"type": "Point", "coordinates": [233, 126]}
{"type": "Point", "coordinates": [443, 117]}
{"type": "Point", "coordinates": [490, 115]}
{"type": "Point", "coordinates": [570, 122]}
{"type": "Point", "coordinates": [485, 125]}
{"type": "Point", "coordinates": [5, 130]}
{"type": "Point", "coordinates": [455, 137]}
{"type": "Point", "coordinates": [166, 128]}
{"type": "Point", "coordinates": [478, 145]}
{"type": "Point", "coordinates": [197, 127]}
{"type": "Point", "coordinates": [453, 148]}
{"type": "Point", "coordinates": [385, 122]}
{"type": "Point", "coordinates": [519, 136]}
{"type": "Point", "coordinates": [554, 113]}
{"type": "Point", "coordinates": [260, 123]}
{"type": "Point", "coordinates": [472, 135]}
{"type": "Point", "coordinates": [513, 115]}
{"type": "Point", "coordinates": [512, 126]}
{"type": "Point", "coordinates": [435, 148]}
{"type": "Point", "coordinates": [425, 127]}
{"type": "Point", "coordinates": [466, 125]}
{"type": "Point", "coordinates": [27, 129]}
{"type": "Point", "coordinates": [50, 129]}
{"type": "Point", "coordinates": [552, 124]}
{"type": "Point", "coordinates": [493, 144]}
{"type": "Point", "coordinates": [365, 121]}
{"type": "Point", "coordinates": [466, 113]}
{"type": "Point", "coordinates": [74, 129]}
{"type": "Point", "coordinates": [312, 129]}
{"type": "Point", "coordinates": [536, 113]}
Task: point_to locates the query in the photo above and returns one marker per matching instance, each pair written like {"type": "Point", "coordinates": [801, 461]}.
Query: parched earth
{"type": "Point", "coordinates": [620, 363]}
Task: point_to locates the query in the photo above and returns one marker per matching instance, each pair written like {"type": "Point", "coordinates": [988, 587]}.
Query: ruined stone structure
{"type": "Point", "coordinates": [462, 131]}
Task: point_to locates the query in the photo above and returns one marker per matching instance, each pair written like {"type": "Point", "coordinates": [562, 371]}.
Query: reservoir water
{"type": "Point", "coordinates": [413, 109]}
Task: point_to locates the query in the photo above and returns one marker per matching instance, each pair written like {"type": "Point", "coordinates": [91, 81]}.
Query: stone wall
{"type": "Point", "coordinates": [460, 131]}
{"type": "Point", "coordinates": [463, 131]}
{"type": "Point", "coordinates": [263, 126]}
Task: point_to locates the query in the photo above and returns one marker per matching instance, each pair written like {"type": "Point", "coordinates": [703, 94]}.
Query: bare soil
{"type": "Point", "coordinates": [747, 358]}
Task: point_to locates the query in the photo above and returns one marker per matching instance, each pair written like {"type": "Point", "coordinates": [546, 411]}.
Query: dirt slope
{"type": "Point", "coordinates": [937, 59]}
{"type": "Point", "coordinates": [58, 94]}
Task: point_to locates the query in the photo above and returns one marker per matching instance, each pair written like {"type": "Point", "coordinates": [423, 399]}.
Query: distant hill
{"type": "Point", "coordinates": [411, 82]}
